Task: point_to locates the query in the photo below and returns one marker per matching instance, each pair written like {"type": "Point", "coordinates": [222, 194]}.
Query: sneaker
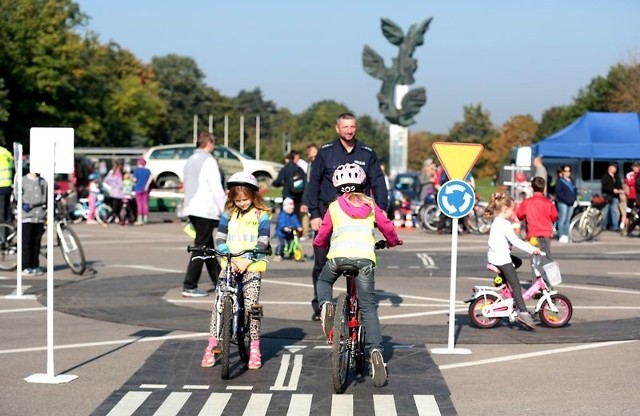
{"type": "Point", "coordinates": [563, 239]}
{"type": "Point", "coordinates": [277, 258]}
{"type": "Point", "coordinates": [209, 358]}
{"type": "Point", "coordinates": [525, 319]}
{"type": "Point", "coordinates": [38, 271]}
{"type": "Point", "coordinates": [326, 317]}
{"type": "Point", "coordinates": [315, 317]}
{"type": "Point", "coordinates": [255, 361]}
{"type": "Point", "coordinates": [378, 368]}
{"type": "Point", "coordinates": [28, 272]}
{"type": "Point", "coordinates": [194, 293]}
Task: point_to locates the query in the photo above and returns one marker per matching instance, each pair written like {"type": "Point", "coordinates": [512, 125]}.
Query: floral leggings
{"type": "Point", "coordinates": [251, 289]}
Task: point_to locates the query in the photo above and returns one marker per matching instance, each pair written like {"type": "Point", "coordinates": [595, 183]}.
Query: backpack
{"type": "Point", "coordinates": [298, 181]}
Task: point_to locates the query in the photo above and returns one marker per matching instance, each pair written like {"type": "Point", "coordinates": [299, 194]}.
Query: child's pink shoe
{"type": "Point", "coordinates": [255, 357]}
{"type": "Point", "coordinates": [209, 357]}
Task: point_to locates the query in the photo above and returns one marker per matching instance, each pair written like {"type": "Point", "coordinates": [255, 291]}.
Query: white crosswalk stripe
{"type": "Point", "coordinates": [258, 404]}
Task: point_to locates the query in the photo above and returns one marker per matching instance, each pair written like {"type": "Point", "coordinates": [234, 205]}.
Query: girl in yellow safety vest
{"type": "Point", "coordinates": [244, 225]}
{"type": "Point", "coordinates": [347, 228]}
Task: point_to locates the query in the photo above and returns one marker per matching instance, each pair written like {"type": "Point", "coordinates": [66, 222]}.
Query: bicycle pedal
{"type": "Point", "coordinates": [216, 350]}
{"type": "Point", "coordinates": [256, 311]}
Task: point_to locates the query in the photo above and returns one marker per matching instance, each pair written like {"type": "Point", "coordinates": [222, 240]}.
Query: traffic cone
{"type": "Point", "coordinates": [397, 220]}
{"type": "Point", "coordinates": [408, 221]}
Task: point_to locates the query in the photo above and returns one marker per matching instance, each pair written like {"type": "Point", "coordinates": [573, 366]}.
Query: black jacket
{"type": "Point", "coordinates": [320, 191]}
{"type": "Point", "coordinates": [285, 178]}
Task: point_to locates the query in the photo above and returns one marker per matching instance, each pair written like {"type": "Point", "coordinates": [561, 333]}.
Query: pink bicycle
{"type": "Point", "coordinates": [489, 304]}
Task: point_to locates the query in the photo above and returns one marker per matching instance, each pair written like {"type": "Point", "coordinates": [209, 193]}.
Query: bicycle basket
{"type": "Point", "coordinates": [552, 271]}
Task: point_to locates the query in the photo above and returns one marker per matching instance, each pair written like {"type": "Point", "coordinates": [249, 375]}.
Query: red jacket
{"type": "Point", "coordinates": [540, 214]}
{"type": "Point", "coordinates": [630, 180]}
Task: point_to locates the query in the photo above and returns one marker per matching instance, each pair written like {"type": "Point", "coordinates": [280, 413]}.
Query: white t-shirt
{"type": "Point", "coordinates": [501, 238]}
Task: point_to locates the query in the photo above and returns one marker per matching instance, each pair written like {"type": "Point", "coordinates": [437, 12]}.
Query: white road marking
{"type": "Point", "coordinates": [153, 386]}
{"type": "Point", "coordinates": [195, 387]}
{"type": "Point", "coordinates": [342, 405]}
{"type": "Point", "coordinates": [427, 405]}
{"type": "Point", "coordinates": [300, 404]}
{"type": "Point", "coordinates": [384, 405]}
{"type": "Point", "coordinates": [215, 404]}
{"type": "Point", "coordinates": [258, 404]}
{"type": "Point", "coordinates": [534, 354]}
{"type": "Point", "coordinates": [413, 315]}
{"type": "Point", "coordinates": [143, 267]}
{"type": "Point", "coordinates": [172, 404]}
{"type": "Point", "coordinates": [44, 308]}
{"type": "Point", "coordinates": [284, 369]}
{"type": "Point", "coordinates": [103, 343]}
{"type": "Point", "coordinates": [239, 387]}
{"type": "Point", "coordinates": [129, 403]}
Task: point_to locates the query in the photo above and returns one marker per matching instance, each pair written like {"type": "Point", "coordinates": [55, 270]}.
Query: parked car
{"type": "Point", "coordinates": [166, 163]}
{"type": "Point", "coordinates": [404, 184]}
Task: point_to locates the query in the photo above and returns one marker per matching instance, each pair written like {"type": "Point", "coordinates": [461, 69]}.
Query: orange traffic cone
{"type": "Point", "coordinates": [408, 221]}
{"type": "Point", "coordinates": [397, 220]}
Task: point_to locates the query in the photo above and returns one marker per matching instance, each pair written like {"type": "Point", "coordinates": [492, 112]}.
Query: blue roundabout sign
{"type": "Point", "coordinates": [456, 198]}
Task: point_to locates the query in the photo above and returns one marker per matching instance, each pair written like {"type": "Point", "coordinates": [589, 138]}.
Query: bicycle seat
{"type": "Point", "coordinates": [493, 268]}
{"type": "Point", "coordinates": [348, 268]}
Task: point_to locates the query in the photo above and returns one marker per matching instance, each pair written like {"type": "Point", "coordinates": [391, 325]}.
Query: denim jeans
{"type": "Point", "coordinates": [565, 212]}
{"type": "Point", "coordinates": [611, 215]}
{"type": "Point", "coordinates": [365, 286]}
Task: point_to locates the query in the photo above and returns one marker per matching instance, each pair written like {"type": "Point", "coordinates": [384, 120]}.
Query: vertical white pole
{"type": "Point", "coordinates": [50, 226]}
{"type": "Point", "coordinates": [241, 134]}
{"type": "Point", "coordinates": [226, 130]}
{"type": "Point", "coordinates": [452, 296]}
{"type": "Point", "coordinates": [18, 155]}
{"type": "Point", "coordinates": [210, 123]}
{"type": "Point", "coordinates": [195, 129]}
{"type": "Point", "coordinates": [258, 137]}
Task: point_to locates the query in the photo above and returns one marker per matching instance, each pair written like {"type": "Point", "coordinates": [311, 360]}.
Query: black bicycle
{"type": "Point", "coordinates": [348, 334]}
{"type": "Point", "coordinates": [232, 328]}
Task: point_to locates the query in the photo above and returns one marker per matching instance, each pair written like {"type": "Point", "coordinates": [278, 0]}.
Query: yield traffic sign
{"type": "Point", "coordinates": [457, 159]}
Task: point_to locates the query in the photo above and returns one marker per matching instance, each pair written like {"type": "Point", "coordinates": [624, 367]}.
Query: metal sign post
{"type": "Point", "coordinates": [51, 152]}
{"type": "Point", "coordinates": [456, 199]}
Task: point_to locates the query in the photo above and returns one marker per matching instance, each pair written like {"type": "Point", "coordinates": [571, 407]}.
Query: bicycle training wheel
{"type": "Point", "coordinates": [556, 319]}
{"type": "Point", "coordinates": [8, 248]}
{"type": "Point", "coordinates": [225, 335]}
{"type": "Point", "coordinates": [341, 348]}
{"type": "Point", "coordinates": [76, 215]}
{"type": "Point", "coordinates": [71, 249]}
{"type": "Point", "coordinates": [104, 214]}
{"type": "Point", "coordinates": [475, 312]}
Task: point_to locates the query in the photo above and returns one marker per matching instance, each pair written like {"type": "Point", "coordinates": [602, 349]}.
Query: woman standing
{"type": "Point", "coordinates": [114, 186]}
{"type": "Point", "coordinates": [566, 195]}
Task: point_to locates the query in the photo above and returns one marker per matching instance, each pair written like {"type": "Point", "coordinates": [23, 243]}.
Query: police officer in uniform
{"type": "Point", "coordinates": [320, 191]}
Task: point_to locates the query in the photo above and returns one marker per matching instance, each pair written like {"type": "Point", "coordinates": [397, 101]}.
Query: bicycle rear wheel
{"type": "Point", "coordinates": [104, 214]}
{"type": "Point", "coordinates": [76, 215]}
{"type": "Point", "coordinates": [8, 248]}
{"type": "Point", "coordinates": [225, 335]}
{"type": "Point", "coordinates": [341, 348]}
{"type": "Point", "coordinates": [429, 215]}
{"type": "Point", "coordinates": [578, 232]}
{"type": "Point", "coordinates": [71, 249]}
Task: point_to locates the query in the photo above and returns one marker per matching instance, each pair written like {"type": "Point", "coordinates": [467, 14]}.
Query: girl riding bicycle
{"type": "Point", "coordinates": [245, 224]}
{"type": "Point", "coordinates": [347, 228]}
{"type": "Point", "coordinates": [501, 238]}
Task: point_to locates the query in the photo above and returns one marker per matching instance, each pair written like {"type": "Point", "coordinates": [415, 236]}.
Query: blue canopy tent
{"type": "Point", "coordinates": [596, 136]}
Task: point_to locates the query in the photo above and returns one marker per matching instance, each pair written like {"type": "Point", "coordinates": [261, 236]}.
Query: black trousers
{"type": "Point", "coordinates": [204, 237]}
{"type": "Point", "coordinates": [31, 242]}
{"type": "Point", "coordinates": [319, 259]}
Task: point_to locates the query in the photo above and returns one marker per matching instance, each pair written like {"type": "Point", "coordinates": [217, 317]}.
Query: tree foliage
{"type": "Point", "coordinates": [519, 130]}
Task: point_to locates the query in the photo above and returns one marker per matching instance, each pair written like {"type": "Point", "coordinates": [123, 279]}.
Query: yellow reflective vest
{"type": "Point", "coordinates": [6, 168]}
{"type": "Point", "coordinates": [351, 237]}
{"type": "Point", "coordinates": [242, 234]}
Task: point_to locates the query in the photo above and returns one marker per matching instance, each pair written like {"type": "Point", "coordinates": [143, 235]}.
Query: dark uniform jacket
{"type": "Point", "coordinates": [320, 191]}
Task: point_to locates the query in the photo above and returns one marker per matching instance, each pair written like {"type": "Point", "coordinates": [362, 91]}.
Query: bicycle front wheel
{"type": "Point", "coordinates": [71, 249]}
{"type": "Point", "coordinates": [225, 334]}
{"type": "Point", "coordinates": [578, 232]}
{"type": "Point", "coordinates": [556, 319]}
{"type": "Point", "coordinates": [8, 248]}
{"type": "Point", "coordinates": [244, 338]}
{"type": "Point", "coordinates": [341, 348]}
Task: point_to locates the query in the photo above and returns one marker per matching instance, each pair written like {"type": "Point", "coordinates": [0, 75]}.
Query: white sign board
{"type": "Point", "coordinates": [51, 148]}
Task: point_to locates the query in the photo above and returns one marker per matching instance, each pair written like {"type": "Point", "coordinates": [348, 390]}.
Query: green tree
{"type": "Point", "coordinates": [4, 110]}
{"type": "Point", "coordinates": [39, 60]}
{"type": "Point", "coordinates": [519, 130]}
{"type": "Point", "coordinates": [625, 94]}
{"type": "Point", "coordinates": [184, 93]}
{"type": "Point", "coordinates": [476, 128]}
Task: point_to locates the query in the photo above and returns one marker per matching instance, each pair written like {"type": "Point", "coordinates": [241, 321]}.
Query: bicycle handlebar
{"type": "Point", "coordinates": [210, 251]}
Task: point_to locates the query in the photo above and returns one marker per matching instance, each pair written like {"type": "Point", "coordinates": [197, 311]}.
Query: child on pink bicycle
{"type": "Point", "coordinates": [347, 228]}
{"type": "Point", "coordinates": [501, 239]}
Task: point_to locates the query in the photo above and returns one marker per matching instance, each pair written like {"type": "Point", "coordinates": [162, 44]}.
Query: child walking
{"type": "Point", "coordinates": [540, 214]}
{"type": "Point", "coordinates": [501, 238]}
{"type": "Point", "coordinates": [347, 229]}
{"type": "Point", "coordinates": [244, 225]}
{"type": "Point", "coordinates": [287, 222]}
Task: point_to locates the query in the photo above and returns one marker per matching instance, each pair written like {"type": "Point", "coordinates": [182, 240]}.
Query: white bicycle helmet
{"type": "Point", "coordinates": [349, 178]}
{"type": "Point", "coordinates": [243, 179]}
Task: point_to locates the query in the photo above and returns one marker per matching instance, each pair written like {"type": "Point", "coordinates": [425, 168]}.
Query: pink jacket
{"type": "Point", "coordinates": [323, 238]}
